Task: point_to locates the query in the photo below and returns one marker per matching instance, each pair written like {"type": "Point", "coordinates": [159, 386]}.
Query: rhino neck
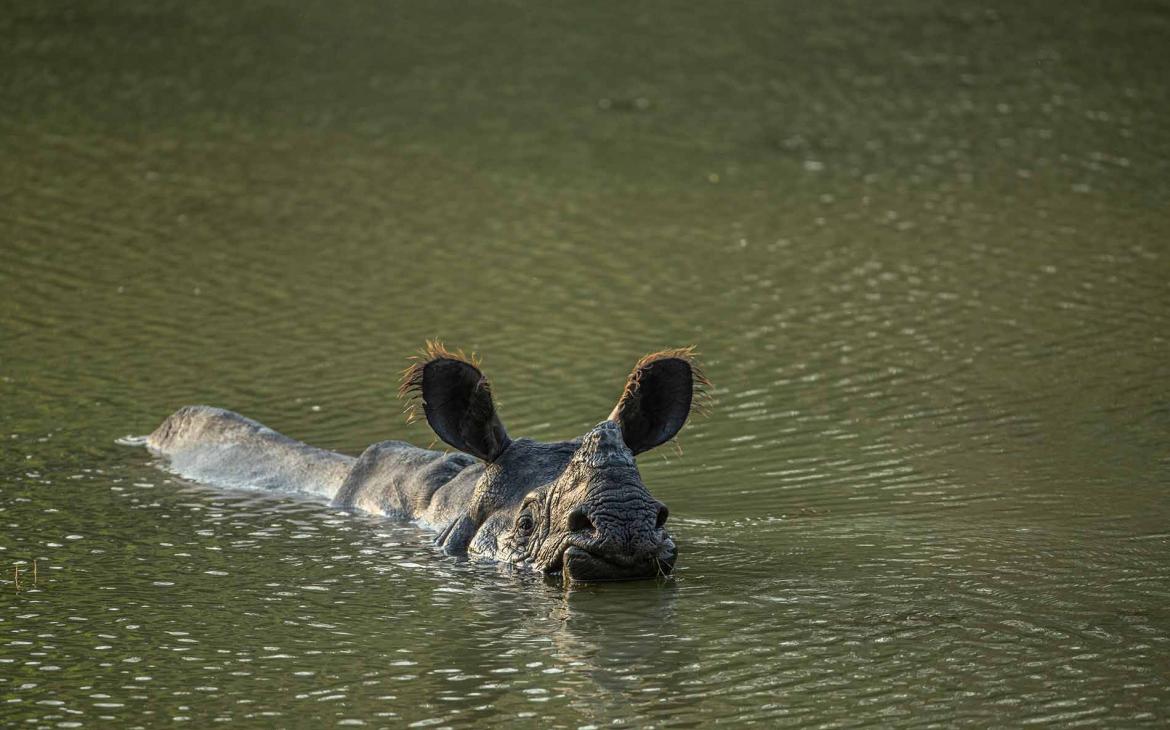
{"type": "Point", "coordinates": [396, 479]}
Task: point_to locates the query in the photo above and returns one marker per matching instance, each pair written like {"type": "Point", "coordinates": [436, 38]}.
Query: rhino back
{"type": "Point", "coordinates": [223, 448]}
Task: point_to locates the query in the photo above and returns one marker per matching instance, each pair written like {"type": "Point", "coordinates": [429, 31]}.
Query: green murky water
{"type": "Point", "coordinates": [924, 250]}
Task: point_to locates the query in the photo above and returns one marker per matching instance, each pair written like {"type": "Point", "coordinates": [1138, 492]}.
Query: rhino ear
{"type": "Point", "coordinates": [456, 399]}
{"type": "Point", "coordinates": [658, 397]}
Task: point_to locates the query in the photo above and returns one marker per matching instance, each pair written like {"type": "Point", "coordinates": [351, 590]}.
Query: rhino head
{"type": "Point", "coordinates": [578, 507]}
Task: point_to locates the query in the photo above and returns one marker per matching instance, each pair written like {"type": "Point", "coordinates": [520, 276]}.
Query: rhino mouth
{"type": "Point", "coordinates": [579, 565]}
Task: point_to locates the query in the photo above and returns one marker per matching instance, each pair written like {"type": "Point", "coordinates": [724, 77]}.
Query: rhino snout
{"type": "Point", "coordinates": [617, 544]}
{"type": "Point", "coordinates": [582, 565]}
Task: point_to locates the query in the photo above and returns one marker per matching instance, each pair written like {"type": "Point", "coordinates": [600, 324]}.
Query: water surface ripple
{"type": "Point", "coordinates": [922, 251]}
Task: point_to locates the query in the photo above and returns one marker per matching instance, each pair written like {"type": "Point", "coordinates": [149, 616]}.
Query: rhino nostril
{"type": "Point", "coordinates": [579, 521]}
{"type": "Point", "coordinates": [663, 513]}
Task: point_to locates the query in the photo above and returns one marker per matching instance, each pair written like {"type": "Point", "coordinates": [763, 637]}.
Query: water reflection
{"type": "Point", "coordinates": [921, 248]}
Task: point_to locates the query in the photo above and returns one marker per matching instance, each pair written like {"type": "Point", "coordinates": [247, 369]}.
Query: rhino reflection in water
{"type": "Point", "coordinates": [575, 507]}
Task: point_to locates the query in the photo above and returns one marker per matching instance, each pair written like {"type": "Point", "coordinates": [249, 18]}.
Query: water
{"type": "Point", "coordinates": [922, 249]}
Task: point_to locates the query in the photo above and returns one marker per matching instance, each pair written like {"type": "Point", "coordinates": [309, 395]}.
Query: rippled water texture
{"type": "Point", "coordinates": [922, 247]}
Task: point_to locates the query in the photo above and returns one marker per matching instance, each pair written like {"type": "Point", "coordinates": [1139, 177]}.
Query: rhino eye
{"type": "Point", "coordinates": [525, 524]}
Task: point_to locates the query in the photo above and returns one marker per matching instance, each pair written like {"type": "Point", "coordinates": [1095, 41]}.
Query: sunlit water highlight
{"type": "Point", "coordinates": [922, 249]}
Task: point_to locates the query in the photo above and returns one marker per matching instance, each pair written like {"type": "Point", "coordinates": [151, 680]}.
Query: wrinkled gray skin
{"type": "Point", "coordinates": [575, 507]}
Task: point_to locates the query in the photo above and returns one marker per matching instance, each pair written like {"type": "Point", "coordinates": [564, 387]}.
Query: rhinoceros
{"type": "Point", "coordinates": [577, 508]}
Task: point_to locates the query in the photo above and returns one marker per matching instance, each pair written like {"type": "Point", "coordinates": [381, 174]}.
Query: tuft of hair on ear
{"type": "Point", "coordinates": [700, 384]}
{"type": "Point", "coordinates": [410, 386]}
{"type": "Point", "coordinates": [662, 391]}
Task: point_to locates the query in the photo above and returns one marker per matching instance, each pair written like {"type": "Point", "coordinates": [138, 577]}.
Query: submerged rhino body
{"type": "Point", "coordinates": [576, 507]}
